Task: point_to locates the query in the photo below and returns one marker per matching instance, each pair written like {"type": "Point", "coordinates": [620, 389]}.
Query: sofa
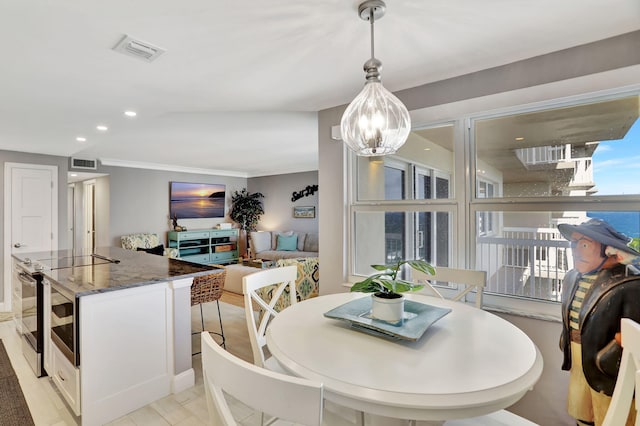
{"type": "Point", "coordinates": [275, 245]}
{"type": "Point", "coordinates": [147, 242]}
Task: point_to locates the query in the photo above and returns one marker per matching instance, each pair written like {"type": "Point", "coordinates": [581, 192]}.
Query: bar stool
{"type": "Point", "coordinates": [208, 288]}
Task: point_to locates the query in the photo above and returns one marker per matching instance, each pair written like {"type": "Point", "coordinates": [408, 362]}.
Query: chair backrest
{"type": "Point", "coordinates": [628, 379]}
{"type": "Point", "coordinates": [286, 397]}
{"type": "Point", "coordinates": [469, 278]}
{"type": "Point", "coordinates": [282, 278]}
{"type": "Point", "coordinates": [207, 288]}
{"type": "Point", "coordinates": [143, 240]}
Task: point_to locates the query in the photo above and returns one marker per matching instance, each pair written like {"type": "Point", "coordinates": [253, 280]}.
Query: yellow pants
{"type": "Point", "coordinates": [583, 402]}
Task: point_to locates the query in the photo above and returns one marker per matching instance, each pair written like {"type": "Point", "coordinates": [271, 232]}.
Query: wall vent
{"type": "Point", "coordinates": [138, 49]}
{"type": "Point", "coordinates": [82, 163]}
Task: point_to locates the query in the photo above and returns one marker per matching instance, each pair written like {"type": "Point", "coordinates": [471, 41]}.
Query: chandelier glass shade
{"type": "Point", "coordinates": [376, 122]}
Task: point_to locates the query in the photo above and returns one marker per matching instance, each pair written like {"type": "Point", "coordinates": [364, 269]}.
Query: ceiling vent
{"type": "Point", "coordinates": [138, 49]}
{"type": "Point", "coordinates": [81, 163]}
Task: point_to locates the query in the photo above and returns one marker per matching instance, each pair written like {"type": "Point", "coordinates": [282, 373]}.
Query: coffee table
{"type": "Point", "coordinates": [258, 263]}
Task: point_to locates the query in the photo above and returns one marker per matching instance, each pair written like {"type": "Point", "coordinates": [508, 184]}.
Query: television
{"type": "Point", "coordinates": [196, 200]}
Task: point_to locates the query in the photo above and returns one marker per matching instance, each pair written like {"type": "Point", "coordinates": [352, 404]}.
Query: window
{"type": "Point", "coordinates": [413, 177]}
{"type": "Point", "coordinates": [485, 219]}
{"type": "Point", "coordinates": [491, 197]}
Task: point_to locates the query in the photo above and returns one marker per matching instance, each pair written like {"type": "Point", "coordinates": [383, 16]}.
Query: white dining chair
{"type": "Point", "coordinates": [471, 280]}
{"type": "Point", "coordinates": [628, 380]}
{"type": "Point", "coordinates": [499, 418]}
{"type": "Point", "coordinates": [259, 312]}
{"type": "Point", "coordinates": [287, 398]}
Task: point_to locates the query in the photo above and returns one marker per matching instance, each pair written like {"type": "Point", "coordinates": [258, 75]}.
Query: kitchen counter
{"type": "Point", "coordinates": [120, 336]}
{"type": "Point", "coordinates": [87, 275]}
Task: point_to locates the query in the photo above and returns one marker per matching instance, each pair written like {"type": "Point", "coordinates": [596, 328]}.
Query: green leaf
{"type": "Point", "coordinates": [382, 267]}
{"type": "Point", "coordinates": [422, 266]}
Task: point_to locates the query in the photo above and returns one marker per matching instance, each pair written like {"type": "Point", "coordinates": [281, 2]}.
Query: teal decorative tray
{"type": "Point", "coordinates": [418, 317]}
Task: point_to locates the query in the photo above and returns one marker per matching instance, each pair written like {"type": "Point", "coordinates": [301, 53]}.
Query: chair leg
{"type": "Point", "coordinates": [221, 334]}
{"type": "Point", "coordinates": [221, 329]}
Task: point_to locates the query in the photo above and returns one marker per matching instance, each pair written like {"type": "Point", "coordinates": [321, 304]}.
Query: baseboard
{"type": "Point", "coordinates": [183, 381]}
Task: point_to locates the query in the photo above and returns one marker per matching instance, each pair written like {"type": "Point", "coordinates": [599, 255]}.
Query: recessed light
{"type": "Point", "coordinates": [130, 113]}
{"type": "Point", "coordinates": [102, 128]}
{"type": "Point", "coordinates": [74, 175]}
{"type": "Point", "coordinates": [427, 149]}
{"type": "Point", "coordinates": [81, 139]}
{"type": "Point", "coordinates": [519, 138]}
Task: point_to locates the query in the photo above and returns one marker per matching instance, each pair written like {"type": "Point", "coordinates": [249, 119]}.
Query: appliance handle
{"type": "Point", "coordinates": [26, 278]}
{"type": "Point", "coordinates": [108, 259]}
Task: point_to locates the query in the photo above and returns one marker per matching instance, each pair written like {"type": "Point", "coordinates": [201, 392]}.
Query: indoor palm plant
{"type": "Point", "coordinates": [246, 209]}
{"type": "Point", "coordinates": [387, 302]}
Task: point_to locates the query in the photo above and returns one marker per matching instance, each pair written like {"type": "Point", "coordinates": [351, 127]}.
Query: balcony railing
{"type": "Point", "coordinates": [528, 262]}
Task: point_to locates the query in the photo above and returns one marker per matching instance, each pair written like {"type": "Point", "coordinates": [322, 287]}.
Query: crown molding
{"type": "Point", "coordinates": [169, 168]}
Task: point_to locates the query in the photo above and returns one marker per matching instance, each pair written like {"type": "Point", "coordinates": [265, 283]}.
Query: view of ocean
{"type": "Point", "coordinates": [626, 222]}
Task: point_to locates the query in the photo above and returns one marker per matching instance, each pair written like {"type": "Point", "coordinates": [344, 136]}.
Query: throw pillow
{"type": "Point", "coordinates": [159, 250]}
{"type": "Point", "coordinates": [287, 242]}
{"type": "Point", "coordinates": [311, 243]}
{"type": "Point", "coordinates": [274, 237]}
{"type": "Point", "coordinates": [260, 241]}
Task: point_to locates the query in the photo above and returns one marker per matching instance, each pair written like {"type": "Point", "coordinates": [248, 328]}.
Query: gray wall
{"type": "Point", "coordinates": [28, 158]}
{"type": "Point", "coordinates": [139, 200]}
{"type": "Point", "coordinates": [277, 202]}
{"type": "Point", "coordinates": [546, 404]}
{"type": "Point", "coordinates": [597, 66]}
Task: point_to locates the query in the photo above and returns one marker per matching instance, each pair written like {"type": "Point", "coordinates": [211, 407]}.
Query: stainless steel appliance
{"type": "Point", "coordinates": [31, 319]}
{"type": "Point", "coordinates": [64, 324]}
{"type": "Point", "coordinates": [64, 327]}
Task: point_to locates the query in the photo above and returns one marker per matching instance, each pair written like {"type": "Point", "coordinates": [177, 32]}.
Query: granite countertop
{"type": "Point", "coordinates": [92, 275]}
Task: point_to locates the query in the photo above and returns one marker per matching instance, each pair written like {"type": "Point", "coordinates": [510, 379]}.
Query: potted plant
{"type": "Point", "coordinates": [387, 302]}
{"type": "Point", "coordinates": [246, 209]}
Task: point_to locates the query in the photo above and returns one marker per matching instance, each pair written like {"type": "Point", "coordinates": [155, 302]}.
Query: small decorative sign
{"type": "Point", "coordinates": [309, 190]}
{"type": "Point", "coordinates": [304, 212]}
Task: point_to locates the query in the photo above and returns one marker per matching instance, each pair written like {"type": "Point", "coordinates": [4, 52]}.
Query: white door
{"type": "Point", "coordinates": [31, 218]}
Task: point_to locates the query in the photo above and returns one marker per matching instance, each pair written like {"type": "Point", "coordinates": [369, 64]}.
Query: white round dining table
{"type": "Point", "coordinates": [469, 363]}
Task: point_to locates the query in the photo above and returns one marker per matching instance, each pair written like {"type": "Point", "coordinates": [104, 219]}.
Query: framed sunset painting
{"type": "Point", "coordinates": [196, 200]}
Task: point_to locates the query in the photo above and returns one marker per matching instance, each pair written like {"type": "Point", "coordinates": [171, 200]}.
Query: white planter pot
{"type": "Point", "coordinates": [388, 310]}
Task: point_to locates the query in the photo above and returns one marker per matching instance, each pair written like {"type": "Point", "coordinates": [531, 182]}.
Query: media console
{"type": "Point", "coordinates": [206, 246]}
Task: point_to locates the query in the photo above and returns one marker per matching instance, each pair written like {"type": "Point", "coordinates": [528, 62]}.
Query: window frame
{"type": "Point", "coordinates": [465, 204]}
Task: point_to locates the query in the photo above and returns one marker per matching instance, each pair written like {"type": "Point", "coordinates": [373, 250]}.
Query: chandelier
{"type": "Point", "coordinates": [376, 122]}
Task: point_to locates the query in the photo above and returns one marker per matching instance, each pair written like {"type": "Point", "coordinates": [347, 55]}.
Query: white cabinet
{"type": "Point", "coordinates": [66, 377]}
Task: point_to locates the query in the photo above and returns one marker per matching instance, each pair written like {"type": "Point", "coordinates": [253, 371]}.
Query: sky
{"type": "Point", "coordinates": [194, 190]}
{"type": "Point", "coordinates": [616, 164]}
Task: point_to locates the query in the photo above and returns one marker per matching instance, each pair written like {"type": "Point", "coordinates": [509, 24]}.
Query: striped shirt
{"type": "Point", "coordinates": [576, 304]}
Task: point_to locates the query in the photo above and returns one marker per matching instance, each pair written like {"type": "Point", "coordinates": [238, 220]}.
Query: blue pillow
{"type": "Point", "coordinates": [287, 243]}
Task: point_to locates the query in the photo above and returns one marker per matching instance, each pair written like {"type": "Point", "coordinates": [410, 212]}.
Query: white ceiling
{"type": "Point", "coordinates": [240, 82]}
